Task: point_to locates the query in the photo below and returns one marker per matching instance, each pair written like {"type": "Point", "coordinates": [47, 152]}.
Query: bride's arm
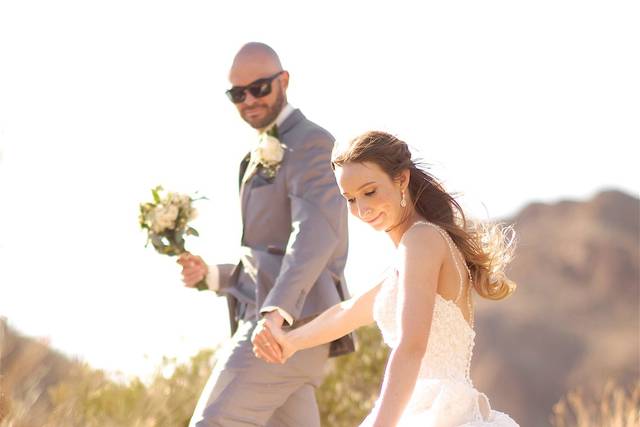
{"type": "Point", "coordinates": [333, 323]}
{"type": "Point", "coordinates": [422, 253]}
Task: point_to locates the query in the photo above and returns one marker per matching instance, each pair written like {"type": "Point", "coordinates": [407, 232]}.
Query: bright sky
{"type": "Point", "coordinates": [100, 101]}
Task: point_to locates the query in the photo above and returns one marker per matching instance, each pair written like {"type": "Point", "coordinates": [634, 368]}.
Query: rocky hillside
{"type": "Point", "coordinates": [27, 368]}
{"type": "Point", "coordinates": [574, 319]}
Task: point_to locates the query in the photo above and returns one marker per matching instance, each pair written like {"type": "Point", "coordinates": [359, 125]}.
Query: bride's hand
{"type": "Point", "coordinates": [265, 338]}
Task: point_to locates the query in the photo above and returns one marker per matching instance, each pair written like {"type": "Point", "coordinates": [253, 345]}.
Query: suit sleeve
{"type": "Point", "coordinates": [317, 208]}
{"type": "Point", "coordinates": [219, 277]}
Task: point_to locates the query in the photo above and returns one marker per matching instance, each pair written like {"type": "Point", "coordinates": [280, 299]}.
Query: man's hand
{"type": "Point", "coordinates": [270, 342]}
{"type": "Point", "coordinates": [194, 269]}
{"type": "Point", "coordinates": [264, 340]}
{"type": "Point", "coordinates": [265, 345]}
{"type": "Point", "coordinates": [274, 318]}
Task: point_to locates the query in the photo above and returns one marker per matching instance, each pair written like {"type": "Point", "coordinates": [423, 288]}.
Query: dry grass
{"type": "Point", "coordinates": [88, 398]}
{"type": "Point", "coordinates": [38, 390]}
{"type": "Point", "coordinates": [614, 407]}
{"type": "Point", "coordinates": [41, 388]}
{"type": "Point", "coordinates": [25, 375]}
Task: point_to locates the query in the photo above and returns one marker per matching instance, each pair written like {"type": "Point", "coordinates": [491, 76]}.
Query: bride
{"type": "Point", "coordinates": [424, 307]}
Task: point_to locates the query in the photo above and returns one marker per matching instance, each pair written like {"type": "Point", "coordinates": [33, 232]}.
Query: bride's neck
{"type": "Point", "coordinates": [396, 231]}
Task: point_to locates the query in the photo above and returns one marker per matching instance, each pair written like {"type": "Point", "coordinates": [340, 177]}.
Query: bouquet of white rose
{"type": "Point", "coordinates": [166, 221]}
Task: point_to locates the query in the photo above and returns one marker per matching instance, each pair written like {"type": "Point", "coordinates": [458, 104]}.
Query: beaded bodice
{"type": "Point", "coordinates": [451, 338]}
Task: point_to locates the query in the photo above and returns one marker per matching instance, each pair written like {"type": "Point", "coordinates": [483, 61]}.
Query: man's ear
{"type": "Point", "coordinates": [285, 80]}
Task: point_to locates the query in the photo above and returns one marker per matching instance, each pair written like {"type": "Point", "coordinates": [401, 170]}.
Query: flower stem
{"type": "Point", "coordinates": [202, 285]}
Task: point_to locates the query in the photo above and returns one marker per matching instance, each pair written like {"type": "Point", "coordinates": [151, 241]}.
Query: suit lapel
{"type": "Point", "coordinates": [290, 122]}
{"type": "Point", "coordinates": [243, 168]}
{"type": "Point", "coordinates": [243, 188]}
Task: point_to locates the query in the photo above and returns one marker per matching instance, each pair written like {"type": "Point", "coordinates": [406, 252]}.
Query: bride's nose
{"type": "Point", "coordinates": [363, 210]}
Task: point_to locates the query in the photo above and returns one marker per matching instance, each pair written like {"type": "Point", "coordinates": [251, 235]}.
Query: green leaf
{"type": "Point", "coordinates": [192, 232]}
{"type": "Point", "coordinates": [156, 193]}
{"type": "Point", "coordinates": [146, 207]}
{"type": "Point", "coordinates": [273, 131]}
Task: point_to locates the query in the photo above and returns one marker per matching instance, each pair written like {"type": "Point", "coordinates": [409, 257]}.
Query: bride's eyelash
{"type": "Point", "coordinates": [368, 194]}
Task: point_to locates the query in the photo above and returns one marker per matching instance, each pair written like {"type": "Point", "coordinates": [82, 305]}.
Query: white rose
{"type": "Point", "coordinates": [193, 214]}
{"type": "Point", "coordinates": [164, 217]}
{"type": "Point", "coordinates": [180, 200]}
{"type": "Point", "coordinates": [171, 213]}
{"type": "Point", "coordinates": [156, 225]}
{"type": "Point", "coordinates": [184, 201]}
{"type": "Point", "coordinates": [270, 152]}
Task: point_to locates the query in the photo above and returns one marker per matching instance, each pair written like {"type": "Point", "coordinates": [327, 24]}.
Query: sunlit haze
{"type": "Point", "coordinates": [510, 102]}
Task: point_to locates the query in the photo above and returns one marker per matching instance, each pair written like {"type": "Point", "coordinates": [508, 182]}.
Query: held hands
{"type": "Point", "coordinates": [270, 342]}
{"type": "Point", "coordinates": [194, 269]}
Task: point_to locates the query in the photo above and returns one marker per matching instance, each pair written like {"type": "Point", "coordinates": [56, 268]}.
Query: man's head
{"type": "Point", "coordinates": [259, 84]}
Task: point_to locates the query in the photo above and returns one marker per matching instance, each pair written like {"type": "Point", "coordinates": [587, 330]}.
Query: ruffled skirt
{"type": "Point", "coordinates": [449, 403]}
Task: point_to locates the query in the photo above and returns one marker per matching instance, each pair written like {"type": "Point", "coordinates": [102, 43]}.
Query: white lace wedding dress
{"type": "Point", "coordinates": [444, 395]}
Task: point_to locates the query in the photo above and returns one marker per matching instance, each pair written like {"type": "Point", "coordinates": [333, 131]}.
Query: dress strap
{"type": "Point", "coordinates": [452, 251]}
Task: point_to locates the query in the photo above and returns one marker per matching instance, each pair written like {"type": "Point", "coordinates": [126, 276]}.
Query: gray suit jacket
{"type": "Point", "coordinates": [294, 233]}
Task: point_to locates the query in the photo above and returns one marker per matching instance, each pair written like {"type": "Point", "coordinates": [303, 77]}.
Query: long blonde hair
{"type": "Point", "coordinates": [487, 248]}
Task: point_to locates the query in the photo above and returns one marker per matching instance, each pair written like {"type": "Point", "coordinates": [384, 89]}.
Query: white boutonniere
{"type": "Point", "coordinates": [269, 153]}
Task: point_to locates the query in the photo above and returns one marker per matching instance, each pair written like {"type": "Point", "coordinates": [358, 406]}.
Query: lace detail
{"type": "Point", "coordinates": [444, 394]}
{"type": "Point", "coordinates": [451, 339]}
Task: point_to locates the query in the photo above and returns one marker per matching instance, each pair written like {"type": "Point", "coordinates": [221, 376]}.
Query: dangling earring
{"type": "Point", "coordinates": [403, 202]}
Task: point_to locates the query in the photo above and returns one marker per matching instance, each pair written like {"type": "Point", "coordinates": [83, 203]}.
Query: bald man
{"type": "Point", "coordinates": [294, 245]}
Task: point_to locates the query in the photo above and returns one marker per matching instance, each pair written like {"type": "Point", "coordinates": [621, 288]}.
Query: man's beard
{"type": "Point", "coordinates": [272, 112]}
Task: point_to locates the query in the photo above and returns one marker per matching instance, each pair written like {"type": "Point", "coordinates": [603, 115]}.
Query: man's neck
{"type": "Point", "coordinates": [282, 116]}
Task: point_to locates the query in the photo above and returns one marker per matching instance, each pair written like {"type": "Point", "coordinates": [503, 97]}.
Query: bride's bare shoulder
{"type": "Point", "coordinates": [423, 239]}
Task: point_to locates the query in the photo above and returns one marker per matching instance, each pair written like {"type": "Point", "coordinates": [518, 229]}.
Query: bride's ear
{"type": "Point", "coordinates": [403, 179]}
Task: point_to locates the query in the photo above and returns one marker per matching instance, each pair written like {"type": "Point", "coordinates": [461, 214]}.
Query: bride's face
{"type": "Point", "coordinates": [371, 194]}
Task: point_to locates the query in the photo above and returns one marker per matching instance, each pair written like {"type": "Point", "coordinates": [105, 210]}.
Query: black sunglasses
{"type": "Point", "coordinates": [257, 89]}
